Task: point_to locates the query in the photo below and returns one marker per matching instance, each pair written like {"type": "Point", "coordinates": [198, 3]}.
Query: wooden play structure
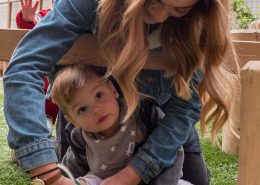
{"type": "Point", "coordinates": [249, 54]}
{"type": "Point", "coordinates": [245, 116]}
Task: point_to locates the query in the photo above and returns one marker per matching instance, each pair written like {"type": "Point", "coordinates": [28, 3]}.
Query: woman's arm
{"type": "Point", "coordinates": [34, 57]}
{"type": "Point", "coordinates": [159, 151]}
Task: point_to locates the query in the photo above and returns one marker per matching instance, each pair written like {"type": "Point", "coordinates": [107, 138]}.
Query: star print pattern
{"type": "Point", "coordinates": [103, 167]}
{"type": "Point", "coordinates": [113, 148]}
{"type": "Point", "coordinates": [112, 153]}
{"type": "Point", "coordinates": [123, 129]}
{"type": "Point", "coordinates": [133, 133]}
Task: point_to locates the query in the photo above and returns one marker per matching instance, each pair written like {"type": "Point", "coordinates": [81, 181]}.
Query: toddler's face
{"type": "Point", "coordinates": [157, 11]}
{"type": "Point", "coordinates": [95, 107]}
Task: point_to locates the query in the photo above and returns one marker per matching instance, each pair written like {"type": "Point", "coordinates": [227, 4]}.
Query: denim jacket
{"type": "Point", "coordinates": [36, 55]}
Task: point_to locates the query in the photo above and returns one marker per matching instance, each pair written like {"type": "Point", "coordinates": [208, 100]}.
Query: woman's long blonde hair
{"type": "Point", "coordinates": [199, 40]}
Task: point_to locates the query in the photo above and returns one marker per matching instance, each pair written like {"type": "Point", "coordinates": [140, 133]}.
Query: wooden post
{"type": "Point", "coordinates": [9, 18]}
{"type": "Point", "coordinates": [247, 46]}
{"type": "Point", "coordinates": [3, 66]}
{"type": "Point", "coordinates": [255, 24]}
{"type": "Point", "coordinates": [40, 4]}
{"type": "Point", "coordinates": [249, 152]}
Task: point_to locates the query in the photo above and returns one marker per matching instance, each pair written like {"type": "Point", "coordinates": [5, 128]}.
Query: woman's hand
{"type": "Point", "coordinates": [126, 176]}
{"type": "Point", "coordinates": [51, 168]}
{"type": "Point", "coordinates": [28, 11]}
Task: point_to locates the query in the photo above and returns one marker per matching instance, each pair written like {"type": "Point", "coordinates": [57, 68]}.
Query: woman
{"type": "Point", "coordinates": [194, 37]}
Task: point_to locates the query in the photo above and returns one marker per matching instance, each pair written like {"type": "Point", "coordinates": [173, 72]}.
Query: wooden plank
{"type": "Point", "coordinates": [3, 66]}
{"type": "Point", "coordinates": [8, 41]}
{"type": "Point", "coordinates": [13, 1]}
{"type": "Point", "coordinates": [246, 50]}
{"type": "Point", "coordinates": [249, 161]}
{"type": "Point", "coordinates": [79, 52]}
{"type": "Point", "coordinates": [246, 35]}
{"type": "Point", "coordinates": [9, 18]}
{"type": "Point", "coordinates": [40, 4]}
{"type": "Point", "coordinates": [91, 54]}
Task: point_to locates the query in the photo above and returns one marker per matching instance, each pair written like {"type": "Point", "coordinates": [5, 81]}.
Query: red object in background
{"type": "Point", "coordinates": [28, 25]}
{"type": "Point", "coordinates": [51, 109]}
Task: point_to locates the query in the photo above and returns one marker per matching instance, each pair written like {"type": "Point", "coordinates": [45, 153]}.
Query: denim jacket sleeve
{"type": "Point", "coordinates": [33, 58]}
{"type": "Point", "coordinates": [159, 150]}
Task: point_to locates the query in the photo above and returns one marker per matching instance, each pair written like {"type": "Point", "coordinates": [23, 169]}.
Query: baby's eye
{"type": "Point", "coordinates": [99, 95]}
{"type": "Point", "coordinates": [82, 110]}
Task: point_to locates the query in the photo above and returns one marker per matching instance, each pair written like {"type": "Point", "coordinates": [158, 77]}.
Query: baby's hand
{"type": "Point", "coordinates": [28, 11]}
{"type": "Point", "coordinates": [126, 176]}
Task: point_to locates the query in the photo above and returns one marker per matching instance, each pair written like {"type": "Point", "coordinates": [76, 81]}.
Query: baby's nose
{"type": "Point", "coordinates": [97, 110]}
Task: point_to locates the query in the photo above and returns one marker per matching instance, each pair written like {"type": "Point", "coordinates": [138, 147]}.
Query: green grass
{"type": "Point", "coordinates": [223, 167]}
{"type": "Point", "coordinates": [10, 173]}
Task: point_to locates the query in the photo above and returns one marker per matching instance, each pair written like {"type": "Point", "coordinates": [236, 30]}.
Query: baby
{"type": "Point", "coordinates": [94, 106]}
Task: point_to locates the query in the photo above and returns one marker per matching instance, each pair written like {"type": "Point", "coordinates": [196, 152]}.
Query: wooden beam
{"type": "Point", "coordinates": [249, 152]}
{"type": "Point", "coordinates": [82, 52]}
{"type": "Point", "coordinates": [8, 41]}
{"type": "Point", "coordinates": [246, 50]}
{"type": "Point", "coordinates": [9, 18]}
{"type": "Point", "coordinates": [3, 66]}
{"type": "Point", "coordinates": [246, 35]}
{"type": "Point", "coordinates": [79, 52]}
{"type": "Point", "coordinates": [40, 4]}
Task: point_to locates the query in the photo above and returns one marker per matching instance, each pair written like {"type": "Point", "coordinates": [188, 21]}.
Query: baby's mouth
{"type": "Point", "coordinates": [102, 119]}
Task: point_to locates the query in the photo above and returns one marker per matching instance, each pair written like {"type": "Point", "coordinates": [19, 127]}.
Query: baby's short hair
{"type": "Point", "coordinates": [70, 79]}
